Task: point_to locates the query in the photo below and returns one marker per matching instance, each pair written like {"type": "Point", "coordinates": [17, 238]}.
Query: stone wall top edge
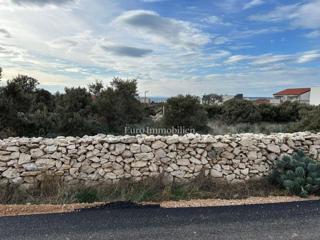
{"type": "Point", "coordinates": [150, 138]}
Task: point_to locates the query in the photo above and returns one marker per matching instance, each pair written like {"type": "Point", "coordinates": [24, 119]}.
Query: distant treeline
{"type": "Point", "coordinates": [26, 110]}
{"type": "Point", "coordinates": [187, 111]}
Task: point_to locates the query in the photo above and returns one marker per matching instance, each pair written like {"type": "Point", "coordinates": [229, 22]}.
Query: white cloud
{"type": "Point", "coordinates": [64, 43]}
{"type": "Point", "coordinates": [270, 59]}
{"type": "Point", "coordinates": [220, 40]}
{"type": "Point", "coordinates": [214, 20]}
{"type": "Point", "coordinates": [308, 15]}
{"type": "Point", "coordinates": [279, 14]}
{"type": "Point", "coordinates": [309, 56]}
{"type": "Point", "coordinates": [162, 30]}
{"type": "Point", "coordinates": [300, 15]}
{"type": "Point", "coordinates": [253, 3]}
{"type": "Point", "coordinates": [313, 34]}
{"type": "Point", "coordinates": [237, 58]}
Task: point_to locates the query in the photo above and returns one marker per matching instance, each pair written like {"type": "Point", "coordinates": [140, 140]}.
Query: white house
{"type": "Point", "coordinates": [315, 96]}
{"type": "Point", "coordinates": [302, 95]}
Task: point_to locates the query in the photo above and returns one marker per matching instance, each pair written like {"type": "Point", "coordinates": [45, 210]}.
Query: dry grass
{"type": "Point", "coordinates": [220, 128]}
{"type": "Point", "coordinates": [51, 191]}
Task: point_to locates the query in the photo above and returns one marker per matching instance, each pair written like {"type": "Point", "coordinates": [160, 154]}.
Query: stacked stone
{"type": "Point", "coordinates": [106, 158]}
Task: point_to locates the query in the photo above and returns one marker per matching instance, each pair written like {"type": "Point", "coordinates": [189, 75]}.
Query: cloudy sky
{"type": "Point", "coordinates": [255, 47]}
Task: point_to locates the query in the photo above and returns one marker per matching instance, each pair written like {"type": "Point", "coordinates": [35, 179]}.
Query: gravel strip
{"type": "Point", "coordinates": [233, 202]}
{"type": "Point", "coordinates": [29, 209]}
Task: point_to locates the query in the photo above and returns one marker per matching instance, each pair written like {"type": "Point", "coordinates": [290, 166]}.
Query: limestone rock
{"type": "Point", "coordinates": [216, 174]}
{"type": "Point", "coordinates": [14, 155]}
{"type": "Point", "coordinates": [45, 163]}
{"type": "Point", "coordinates": [88, 169]}
{"type": "Point", "coordinates": [120, 147]}
{"type": "Point", "coordinates": [183, 162]}
{"type": "Point", "coordinates": [24, 158]}
{"type": "Point", "coordinates": [50, 149]}
{"type": "Point", "coordinates": [227, 155]}
{"type": "Point", "coordinates": [36, 153]}
{"type": "Point", "coordinates": [160, 153]}
{"type": "Point", "coordinates": [273, 148]}
{"type": "Point", "coordinates": [12, 149]}
{"type": "Point", "coordinates": [144, 156]}
{"type": "Point", "coordinates": [139, 164]}
{"type": "Point", "coordinates": [230, 177]}
{"type": "Point", "coordinates": [245, 171]}
{"type": "Point", "coordinates": [252, 155]}
{"type": "Point", "coordinates": [145, 148]}
{"type": "Point", "coordinates": [30, 167]}
{"type": "Point", "coordinates": [158, 145]}
{"type": "Point", "coordinates": [172, 139]}
{"type": "Point", "coordinates": [11, 173]}
{"type": "Point", "coordinates": [135, 148]}
{"type": "Point", "coordinates": [5, 158]}
{"type": "Point", "coordinates": [110, 176]}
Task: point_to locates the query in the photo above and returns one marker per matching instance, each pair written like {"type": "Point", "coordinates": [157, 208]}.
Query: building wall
{"type": "Point", "coordinates": [87, 160]}
{"type": "Point", "coordinates": [305, 98]}
{"type": "Point", "coordinates": [315, 96]}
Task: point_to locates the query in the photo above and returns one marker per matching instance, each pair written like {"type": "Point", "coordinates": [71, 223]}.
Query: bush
{"type": "Point", "coordinates": [118, 105]}
{"type": "Point", "coordinates": [214, 111]}
{"type": "Point", "coordinates": [240, 111]}
{"type": "Point", "coordinates": [310, 121]}
{"type": "Point", "coordinates": [298, 174]}
{"type": "Point", "coordinates": [289, 111]}
{"type": "Point", "coordinates": [268, 112]}
{"type": "Point", "coordinates": [185, 111]}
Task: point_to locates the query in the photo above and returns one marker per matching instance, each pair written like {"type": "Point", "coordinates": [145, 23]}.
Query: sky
{"type": "Point", "coordinates": [254, 47]}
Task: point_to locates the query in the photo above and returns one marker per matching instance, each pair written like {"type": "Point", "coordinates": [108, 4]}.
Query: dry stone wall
{"type": "Point", "coordinates": [101, 158]}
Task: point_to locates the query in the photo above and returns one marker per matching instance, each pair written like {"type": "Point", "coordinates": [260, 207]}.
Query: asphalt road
{"type": "Point", "coordinates": [273, 221]}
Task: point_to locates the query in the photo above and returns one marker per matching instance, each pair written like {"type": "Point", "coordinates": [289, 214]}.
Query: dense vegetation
{"type": "Point", "coordinates": [185, 111]}
{"type": "Point", "coordinates": [27, 110]}
{"type": "Point", "coordinates": [249, 116]}
{"type": "Point", "coordinates": [244, 111]}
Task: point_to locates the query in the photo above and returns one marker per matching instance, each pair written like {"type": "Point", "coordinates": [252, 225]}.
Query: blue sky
{"type": "Point", "coordinates": [255, 47]}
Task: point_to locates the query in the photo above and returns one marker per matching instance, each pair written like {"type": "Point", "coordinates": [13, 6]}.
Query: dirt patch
{"type": "Point", "coordinates": [28, 209]}
{"type": "Point", "coordinates": [233, 202]}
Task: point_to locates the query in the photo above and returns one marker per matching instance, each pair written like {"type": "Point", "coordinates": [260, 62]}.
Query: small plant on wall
{"type": "Point", "coordinates": [298, 174]}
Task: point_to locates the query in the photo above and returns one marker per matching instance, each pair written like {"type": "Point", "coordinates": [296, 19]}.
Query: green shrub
{"type": "Point", "coordinates": [310, 120]}
{"type": "Point", "coordinates": [214, 111]}
{"type": "Point", "coordinates": [268, 112]}
{"type": "Point", "coordinates": [298, 174]}
{"type": "Point", "coordinates": [185, 111]}
{"type": "Point", "coordinates": [240, 111]}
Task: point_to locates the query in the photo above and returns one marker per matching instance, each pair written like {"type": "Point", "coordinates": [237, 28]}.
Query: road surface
{"type": "Point", "coordinates": [272, 221]}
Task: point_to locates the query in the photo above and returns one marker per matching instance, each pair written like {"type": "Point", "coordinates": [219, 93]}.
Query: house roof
{"type": "Point", "coordinates": [293, 91]}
